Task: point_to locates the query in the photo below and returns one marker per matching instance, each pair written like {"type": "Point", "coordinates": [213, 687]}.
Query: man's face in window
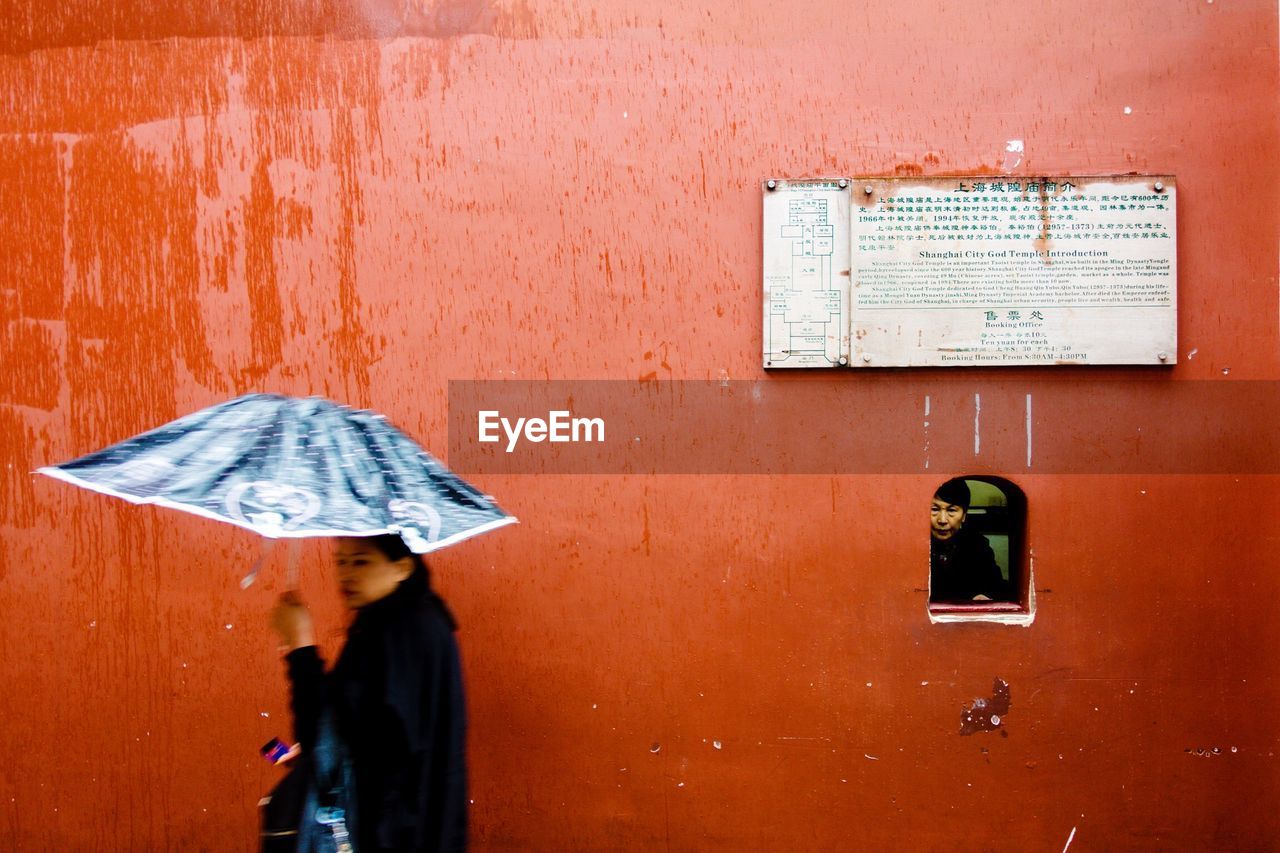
{"type": "Point", "coordinates": [945, 519]}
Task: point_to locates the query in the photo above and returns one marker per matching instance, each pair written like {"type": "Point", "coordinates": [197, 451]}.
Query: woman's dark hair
{"type": "Point", "coordinates": [395, 549]}
{"type": "Point", "coordinates": [418, 584]}
{"type": "Point", "coordinates": [955, 492]}
{"type": "Point", "coordinates": [391, 546]}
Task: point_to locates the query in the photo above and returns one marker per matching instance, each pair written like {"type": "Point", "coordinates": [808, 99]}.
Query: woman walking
{"type": "Point", "coordinates": [395, 694]}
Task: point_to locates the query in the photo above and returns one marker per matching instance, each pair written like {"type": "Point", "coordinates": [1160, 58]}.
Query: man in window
{"type": "Point", "coordinates": [962, 566]}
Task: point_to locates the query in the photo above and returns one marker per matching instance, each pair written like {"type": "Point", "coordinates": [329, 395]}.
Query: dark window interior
{"type": "Point", "coordinates": [993, 530]}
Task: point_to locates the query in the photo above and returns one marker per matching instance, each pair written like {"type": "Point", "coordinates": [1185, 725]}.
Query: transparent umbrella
{"type": "Point", "coordinates": [289, 467]}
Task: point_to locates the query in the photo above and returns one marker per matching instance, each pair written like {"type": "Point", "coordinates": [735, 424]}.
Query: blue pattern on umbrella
{"type": "Point", "coordinates": [291, 467]}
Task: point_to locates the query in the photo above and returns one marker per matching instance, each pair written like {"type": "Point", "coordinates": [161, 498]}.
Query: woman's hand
{"type": "Point", "coordinates": [292, 621]}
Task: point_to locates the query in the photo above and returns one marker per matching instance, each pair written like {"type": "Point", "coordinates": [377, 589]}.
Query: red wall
{"type": "Point", "coordinates": [366, 201]}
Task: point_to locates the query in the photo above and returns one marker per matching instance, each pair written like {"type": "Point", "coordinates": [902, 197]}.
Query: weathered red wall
{"type": "Point", "coordinates": [365, 200]}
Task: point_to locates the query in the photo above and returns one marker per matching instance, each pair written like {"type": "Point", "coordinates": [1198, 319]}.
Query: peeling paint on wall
{"type": "Point", "coordinates": [987, 715]}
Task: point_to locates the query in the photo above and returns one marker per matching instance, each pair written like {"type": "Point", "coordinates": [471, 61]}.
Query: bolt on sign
{"type": "Point", "coordinates": [972, 270]}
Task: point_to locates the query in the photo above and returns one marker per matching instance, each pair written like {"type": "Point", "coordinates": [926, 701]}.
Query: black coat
{"type": "Point", "coordinates": [964, 567]}
{"type": "Point", "coordinates": [397, 694]}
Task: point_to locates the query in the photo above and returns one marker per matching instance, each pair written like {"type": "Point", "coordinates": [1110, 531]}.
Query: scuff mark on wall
{"type": "Point", "coordinates": [350, 343]}
{"type": "Point", "coordinates": [265, 311]}
{"type": "Point", "coordinates": [987, 715]}
{"type": "Point", "coordinates": [977, 431]}
{"type": "Point", "coordinates": [926, 431]}
{"type": "Point", "coordinates": [1028, 430]}
{"type": "Point", "coordinates": [1013, 151]}
{"type": "Point", "coordinates": [370, 19]}
{"type": "Point", "coordinates": [18, 505]}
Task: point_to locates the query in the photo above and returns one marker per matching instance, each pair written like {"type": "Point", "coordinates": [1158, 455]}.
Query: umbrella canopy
{"type": "Point", "coordinates": [290, 467]}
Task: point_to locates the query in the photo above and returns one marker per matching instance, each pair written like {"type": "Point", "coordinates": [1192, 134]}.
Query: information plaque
{"type": "Point", "coordinates": [806, 273]}
{"type": "Point", "coordinates": [974, 270]}
{"type": "Point", "coordinates": [1015, 271]}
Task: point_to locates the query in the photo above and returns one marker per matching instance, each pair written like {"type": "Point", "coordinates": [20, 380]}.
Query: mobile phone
{"type": "Point", "coordinates": [274, 750]}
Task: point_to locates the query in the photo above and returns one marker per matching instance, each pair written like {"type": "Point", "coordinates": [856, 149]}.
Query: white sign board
{"type": "Point", "coordinates": [997, 271]}
{"type": "Point", "coordinates": [956, 271]}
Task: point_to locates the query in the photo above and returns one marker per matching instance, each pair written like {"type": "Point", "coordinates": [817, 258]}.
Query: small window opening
{"type": "Point", "coordinates": [977, 527]}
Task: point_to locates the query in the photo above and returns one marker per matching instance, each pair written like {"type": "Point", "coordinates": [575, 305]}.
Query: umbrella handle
{"type": "Point", "coordinates": [252, 575]}
{"type": "Point", "coordinates": [291, 569]}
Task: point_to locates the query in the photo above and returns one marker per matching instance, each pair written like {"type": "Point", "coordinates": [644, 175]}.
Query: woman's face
{"type": "Point", "coordinates": [945, 519]}
{"type": "Point", "coordinates": [365, 575]}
